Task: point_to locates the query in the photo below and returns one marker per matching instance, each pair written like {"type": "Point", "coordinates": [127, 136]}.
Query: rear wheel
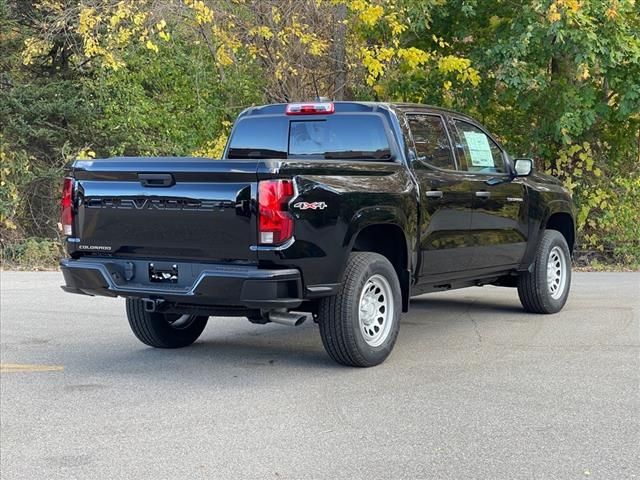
{"type": "Point", "coordinates": [360, 324]}
{"type": "Point", "coordinates": [163, 330]}
{"type": "Point", "coordinates": [546, 287]}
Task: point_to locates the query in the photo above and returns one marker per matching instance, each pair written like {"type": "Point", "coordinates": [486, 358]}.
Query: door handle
{"type": "Point", "coordinates": [483, 194]}
{"type": "Point", "coordinates": [156, 179]}
{"type": "Point", "coordinates": [434, 194]}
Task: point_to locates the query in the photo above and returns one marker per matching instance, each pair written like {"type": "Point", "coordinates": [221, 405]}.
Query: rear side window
{"type": "Point", "coordinates": [431, 140]}
{"type": "Point", "coordinates": [330, 137]}
{"type": "Point", "coordinates": [477, 152]}
{"type": "Point", "coordinates": [340, 137]}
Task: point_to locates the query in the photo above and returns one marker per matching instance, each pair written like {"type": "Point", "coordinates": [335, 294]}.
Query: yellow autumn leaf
{"type": "Point", "coordinates": [152, 46]}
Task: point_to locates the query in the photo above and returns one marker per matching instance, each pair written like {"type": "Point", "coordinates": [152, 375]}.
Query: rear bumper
{"type": "Point", "coordinates": [198, 284]}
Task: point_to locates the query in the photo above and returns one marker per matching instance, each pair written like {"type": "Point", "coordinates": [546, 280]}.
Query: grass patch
{"type": "Point", "coordinates": [32, 254]}
{"type": "Point", "coordinates": [600, 266]}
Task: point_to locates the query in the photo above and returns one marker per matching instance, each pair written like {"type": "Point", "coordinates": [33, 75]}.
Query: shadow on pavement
{"type": "Point", "coordinates": [269, 346]}
{"type": "Point", "coordinates": [449, 305]}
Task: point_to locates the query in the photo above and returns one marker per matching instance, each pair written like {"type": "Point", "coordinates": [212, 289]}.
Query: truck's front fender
{"type": "Point", "coordinates": [539, 223]}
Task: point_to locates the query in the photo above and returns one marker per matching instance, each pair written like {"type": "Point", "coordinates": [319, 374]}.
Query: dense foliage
{"type": "Point", "coordinates": [558, 80]}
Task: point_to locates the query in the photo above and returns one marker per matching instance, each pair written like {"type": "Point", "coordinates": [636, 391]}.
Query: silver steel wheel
{"type": "Point", "coordinates": [180, 321]}
{"type": "Point", "coordinates": [375, 310]}
{"type": "Point", "coordinates": [556, 272]}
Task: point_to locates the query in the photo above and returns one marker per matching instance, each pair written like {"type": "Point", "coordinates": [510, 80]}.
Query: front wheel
{"type": "Point", "coordinates": [163, 330]}
{"type": "Point", "coordinates": [360, 324]}
{"type": "Point", "coordinates": [545, 288]}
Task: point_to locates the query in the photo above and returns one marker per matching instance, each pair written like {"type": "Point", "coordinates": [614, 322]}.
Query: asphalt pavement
{"type": "Point", "coordinates": [475, 389]}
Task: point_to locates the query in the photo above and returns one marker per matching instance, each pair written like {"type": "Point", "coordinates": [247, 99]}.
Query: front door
{"type": "Point", "coordinates": [499, 221]}
{"type": "Point", "coordinates": [445, 199]}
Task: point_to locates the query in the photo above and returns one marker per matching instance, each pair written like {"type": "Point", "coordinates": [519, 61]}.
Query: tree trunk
{"type": "Point", "coordinates": [339, 53]}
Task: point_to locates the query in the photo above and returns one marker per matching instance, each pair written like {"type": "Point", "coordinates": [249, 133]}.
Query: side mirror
{"type": "Point", "coordinates": [523, 166]}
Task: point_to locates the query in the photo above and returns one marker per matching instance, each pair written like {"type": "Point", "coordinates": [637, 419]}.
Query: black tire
{"type": "Point", "coordinates": [156, 329]}
{"type": "Point", "coordinates": [534, 289]}
{"type": "Point", "coordinates": [338, 316]}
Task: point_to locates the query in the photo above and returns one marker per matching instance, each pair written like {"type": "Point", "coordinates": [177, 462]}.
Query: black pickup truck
{"type": "Point", "coordinates": [335, 211]}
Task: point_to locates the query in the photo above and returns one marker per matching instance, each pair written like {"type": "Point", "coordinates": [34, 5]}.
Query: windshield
{"type": "Point", "coordinates": [330, 137]}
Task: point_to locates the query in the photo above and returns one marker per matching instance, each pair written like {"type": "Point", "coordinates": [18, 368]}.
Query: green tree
{"type": "Point", "coordinates": [560, 81]}
{"type": "Point", "coordinates": [555, 79]}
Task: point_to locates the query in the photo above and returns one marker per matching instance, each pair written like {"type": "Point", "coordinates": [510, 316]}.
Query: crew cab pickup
{"type": "Point", "coordinates": [338, 212]}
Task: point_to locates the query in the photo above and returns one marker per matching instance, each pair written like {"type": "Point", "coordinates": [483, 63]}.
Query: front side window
{"type": "Point", "coordinates": [477, 152]}
{"type": "Point", "coordinates": [431, 140]}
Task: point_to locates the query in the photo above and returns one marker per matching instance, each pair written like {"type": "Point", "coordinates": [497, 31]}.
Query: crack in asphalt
{"type": "Point", "coordinates": [474, 323]}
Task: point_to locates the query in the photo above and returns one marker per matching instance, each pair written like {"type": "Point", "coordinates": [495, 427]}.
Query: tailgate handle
{"type": "Point", "coordinates": [156, 179]}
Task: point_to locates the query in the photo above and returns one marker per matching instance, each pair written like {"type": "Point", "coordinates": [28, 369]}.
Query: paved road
{"type": "Point", "coordinates": [474, 389]}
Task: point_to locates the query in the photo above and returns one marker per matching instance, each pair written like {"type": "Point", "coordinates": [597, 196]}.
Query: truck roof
{"type": "Point", "coordinates": [356, 106]}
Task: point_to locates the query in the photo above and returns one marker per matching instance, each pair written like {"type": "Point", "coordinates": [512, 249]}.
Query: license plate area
{"type": "Point", "coordinates": [163, 272]}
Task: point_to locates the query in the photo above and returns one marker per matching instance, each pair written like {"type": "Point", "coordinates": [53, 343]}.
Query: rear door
{"type": "Point", "coordinates": [499, 221]}
{"type": "Point", "coordinates": [171, 208]}
{"type": "Point", "coordinates": [445, 198]}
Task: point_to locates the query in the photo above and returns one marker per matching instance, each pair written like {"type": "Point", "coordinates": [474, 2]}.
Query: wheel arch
{"type": "Point", "coordinates": [563, 222]}
{"type": "Point", "coordinates": [385, 235]}
{"type": "Point", "coordinates": [560, 216]}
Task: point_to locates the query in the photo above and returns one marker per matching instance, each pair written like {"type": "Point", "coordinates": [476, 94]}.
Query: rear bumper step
{"type": "Point", "coordinates": [197, 284]}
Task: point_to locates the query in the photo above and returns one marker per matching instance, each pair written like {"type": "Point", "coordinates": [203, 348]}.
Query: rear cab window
{"type": "Point", "coordinates": [354, 136]}
{"type": "Point", "coordinates": [259, 137]}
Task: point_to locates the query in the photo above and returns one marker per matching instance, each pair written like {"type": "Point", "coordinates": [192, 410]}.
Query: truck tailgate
{"type": "Point", "coordinates": [172, 208]}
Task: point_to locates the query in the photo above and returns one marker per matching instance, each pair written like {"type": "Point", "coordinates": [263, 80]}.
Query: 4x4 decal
{"type": "Point", "coordinates": [310, 206]}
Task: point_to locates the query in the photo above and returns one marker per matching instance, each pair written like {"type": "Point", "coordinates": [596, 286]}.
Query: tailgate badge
{"type": "Point", "coordinates": [310, 206]}
{"type": "Point", "coordinates": [95, 248]}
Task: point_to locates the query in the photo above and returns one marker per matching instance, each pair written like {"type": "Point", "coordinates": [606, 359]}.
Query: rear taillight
{"type": "Point", "coordinates": [275, 223]}
{"type": "Point", "coordinates": [66, 204]}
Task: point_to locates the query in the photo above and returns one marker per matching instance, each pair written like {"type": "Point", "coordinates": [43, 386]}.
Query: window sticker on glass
{"type": "Point", "coordinates": [479, 149]}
